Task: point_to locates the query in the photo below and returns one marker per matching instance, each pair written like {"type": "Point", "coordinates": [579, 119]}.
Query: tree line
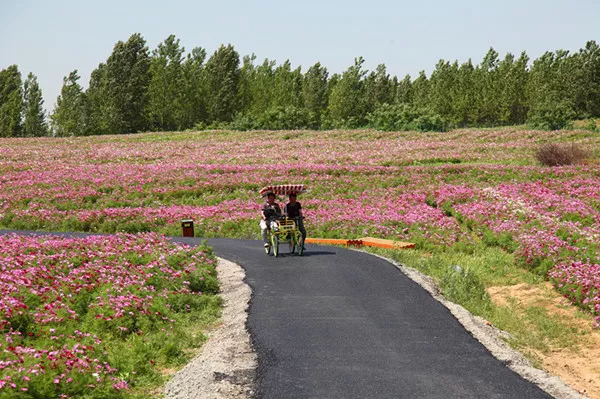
{"type": "Point", "coordinates": [136, 90]}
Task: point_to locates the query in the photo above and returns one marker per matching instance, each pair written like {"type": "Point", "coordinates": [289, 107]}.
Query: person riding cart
{"type": "Point", "coordinates": [276, 228]}
{"type": "Point", "coordinates": [269, 213]}
{"type": "Point", "coordinates": [293, 210]}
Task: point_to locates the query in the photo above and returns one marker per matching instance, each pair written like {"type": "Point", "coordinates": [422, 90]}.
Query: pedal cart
{"type": "Point", "coordinates": [287, 228]}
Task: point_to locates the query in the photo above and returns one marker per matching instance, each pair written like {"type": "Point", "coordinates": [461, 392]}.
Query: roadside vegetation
{"type": "Point", "coordinates": [100, 317]}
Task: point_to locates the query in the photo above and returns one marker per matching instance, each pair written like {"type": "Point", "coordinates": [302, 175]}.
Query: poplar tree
{"type": "Point", "coordinates": [11, 102]}
{"type": "Point", "coordinates": [222, 82]}
{"type": "Point", "coordinates": [68, 118]}
{"type": "Point", "coordinates": [35, 124]}
{"type": "Point", "coordinates": [99, 106]}
{"type": "Point", "coordinates": [166, 86]}
{"type": "Point", "coordinates": [262, 87]}
{"type": "Point", "coordinates": [194, 89]}
{"type": "Point", "coordinates": [347, 102]}
{"type": "Point", "coordinates": [404, 91]}
{"type": "Point", "coordinates": [287, 85]}
{"type": "Point", "coordinates": [464, 103]}
{"type": "Point", "coordinates": [442, 92]}
{"type": "Point", "coordinates": [378, 88]}
{"type": "Point", "coordinates": [315, 90]}
{"type": "Point", "coordinates": [590, 79]}
{"type": "Point", "coordinates": [486, 81]}
{"type": "Point", "coordinates": [247, 81]}
{"type": "Point", "coordinates": [128, 76]}
{"type": "Point", "coordinates": [420, 90]}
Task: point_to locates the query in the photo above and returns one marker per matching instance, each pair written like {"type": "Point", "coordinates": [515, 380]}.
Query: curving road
{"type": "Point", "coordinates": [338, 323]}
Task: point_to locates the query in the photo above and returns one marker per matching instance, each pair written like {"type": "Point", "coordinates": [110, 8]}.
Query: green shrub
{"type": "Point", "coordinates": [277, 118]}
{"type": "Point", "coordinates": [551, 117]}
{"type": "Point", "coordinates": [404, 117]}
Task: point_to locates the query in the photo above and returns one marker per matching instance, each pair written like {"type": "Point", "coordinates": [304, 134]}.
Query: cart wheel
{"type": "Point", "coordinates": [275, 245]}
{"type": "Point", "coordinates": [292, 242]}
{"type": "Point", "coordinates": [268, 249]}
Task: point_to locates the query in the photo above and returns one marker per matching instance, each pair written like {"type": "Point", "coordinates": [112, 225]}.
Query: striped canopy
{"type": "Point", "coordinates": [284, 189]}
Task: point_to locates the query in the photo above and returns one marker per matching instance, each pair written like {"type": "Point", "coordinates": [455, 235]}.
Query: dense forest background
{"type": "Point", "coordinates": [136, 90]}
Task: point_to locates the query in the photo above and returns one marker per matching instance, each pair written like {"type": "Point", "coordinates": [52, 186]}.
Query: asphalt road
{"type": "Point", "coordinates": [337, 323]}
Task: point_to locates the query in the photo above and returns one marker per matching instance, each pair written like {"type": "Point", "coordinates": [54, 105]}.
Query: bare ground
{"type": "Point", "coordinates": [225, 367]}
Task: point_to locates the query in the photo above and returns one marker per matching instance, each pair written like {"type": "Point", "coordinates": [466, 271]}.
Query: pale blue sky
{"type": "Point", "coordinates": [51, 38]}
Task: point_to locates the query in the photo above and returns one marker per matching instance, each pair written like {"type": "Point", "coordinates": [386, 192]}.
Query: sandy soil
{"type": "Point", "coordinates": [578, 365]}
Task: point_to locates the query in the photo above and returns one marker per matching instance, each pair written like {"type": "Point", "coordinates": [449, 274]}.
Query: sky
{"type": "Point", "coordinates": [52, 38]}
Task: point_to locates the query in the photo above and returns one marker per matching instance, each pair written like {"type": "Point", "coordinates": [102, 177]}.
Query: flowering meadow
{"type": "Point", "coordinates": [443, 191]}
{"type": "Point", "coordinates": [95, 317]}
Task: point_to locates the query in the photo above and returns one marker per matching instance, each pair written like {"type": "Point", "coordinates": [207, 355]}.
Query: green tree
{"type": "Point", "coordinates": [465, 113]}
{"type": "Point", "coordinates": [347, 101]}
{"type": "Point", "coordinates": [35, 124]}
{"type": "Point", "coordinates": [512, 80]}
{"type": "Point", "coordinates": [404, 91]}
{"type": "Point", "coordinates": [262, 87]}
{"type": "Point", "coordinates": [128, 76]}
{"type": "Point", "coordinates": [194, 89]}
{"type": "Point", "coordinates": [166, 87]}
{"type": "Point", "coordinates": [315, 90]}
{"type": "Point", "coordinates": [11, 102]}
{"type": "Point", "coordinates": [287, 85]}
{"type": "Point", "coordinates": [589, 83]}
{"type": "Point", "coordinates": [68, 117]}
{"type": "Point", "coordinates": [99, 106]}
{"type": "Point", "coordinates": [551, 90]}
{"type": "Point", "coordinates": [442, 89]}
{"type": "Point", "coordinates": [246, 85]}
{"type": "Point", "coordinates": [378, 88]}
{"type": "Point", "coordinates": [486, 83]}
{"type": "Point", "coordinates": [420, 89]}
{"type": "Point", "coordinates": [222, 82]}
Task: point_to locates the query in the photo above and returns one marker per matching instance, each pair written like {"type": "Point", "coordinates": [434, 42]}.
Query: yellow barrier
{"type": "Point", "coordinates": [365, 241]}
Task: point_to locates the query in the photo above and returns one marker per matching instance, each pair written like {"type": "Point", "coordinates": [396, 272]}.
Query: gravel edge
{"type": "Point", "coordinates": [492, 338]}
{"type": "Point", "coordinates": [226, 366]}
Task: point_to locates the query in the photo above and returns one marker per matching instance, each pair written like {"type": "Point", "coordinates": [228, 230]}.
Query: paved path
{"type": "Point", "coordinates": [337, 323]}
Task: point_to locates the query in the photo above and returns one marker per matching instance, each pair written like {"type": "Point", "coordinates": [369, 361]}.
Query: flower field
{"type": "Point", "coordinates": [443, 191]}
{"type": "Point", "coordinates": [93, 317]}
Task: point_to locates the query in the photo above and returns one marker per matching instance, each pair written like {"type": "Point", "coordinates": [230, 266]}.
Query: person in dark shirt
{"type": "Point", "coordinates": [269, 213]}
{"type": "Point", "coordinates": [293, 210]}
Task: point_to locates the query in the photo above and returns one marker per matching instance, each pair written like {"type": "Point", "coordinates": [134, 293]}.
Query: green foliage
{"type": "Point", "coordinates": [68, 118]}
{"type": "Point", "coordinates": [118, 92]}
{"type": "Point", "coordinates": [222, 80]}
{"type": "Point", "coordinates": [315, 90]}
{"type": "Point", "coordinates": [166, 87]}
{"type": "Point", "coordinates": [548, 116]}
{"type": "Point", "coordinates": [403, 117]}
{"type": "Point", "coordinates": [11, 102]}
{"type": "Point", "coordinates": [132, 92]}
{"type": "Point", "coordinates": [346, 106]}
{"type": "Point", "coordinates": [35, 117]}
{"type": "Point", "coordinates": [277, 118]}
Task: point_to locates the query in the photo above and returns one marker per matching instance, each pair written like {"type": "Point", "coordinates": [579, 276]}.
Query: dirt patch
{"type": "Point", "coordinates": [579, 363]}
{"type": "Point", "coordinates": [225, 367]}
